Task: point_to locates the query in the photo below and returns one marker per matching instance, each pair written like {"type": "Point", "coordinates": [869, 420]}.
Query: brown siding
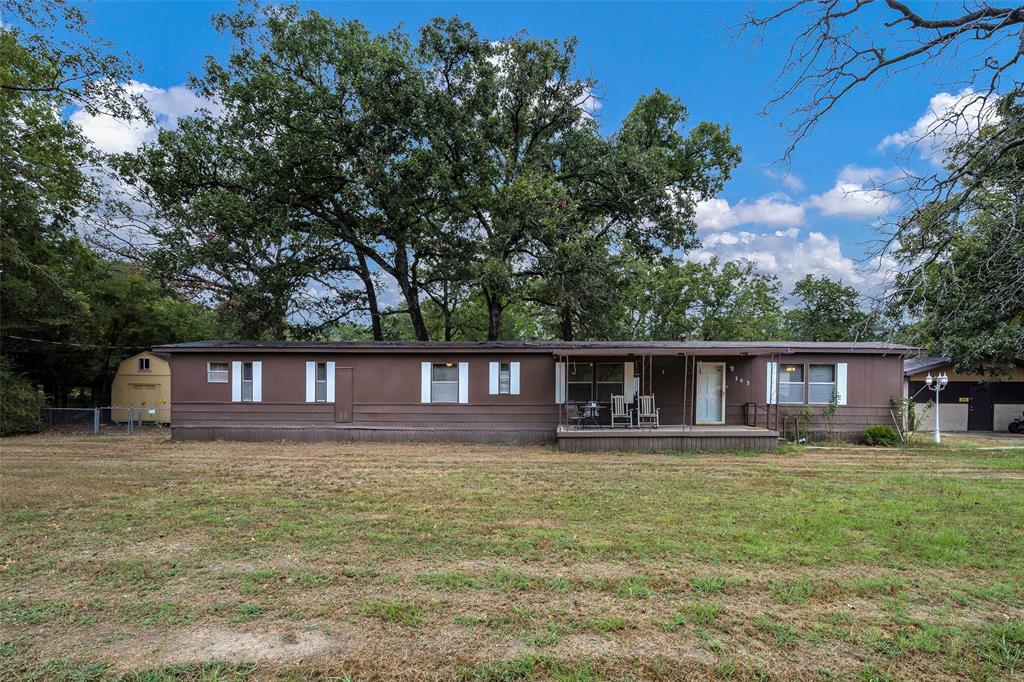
{"type": "Point", "coordinates": [386, 393]}
{"type": "Point", "coordinates": [872, 381]}
{"type": "Point", "coordinates": [386, 396]}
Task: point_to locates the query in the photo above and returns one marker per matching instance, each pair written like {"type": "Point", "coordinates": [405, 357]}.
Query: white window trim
{"type": "Point", "coordinates": [841, 386]}
{"type": "Point", "coordinates": [330, 380]}
{"type": "Point", "coordinates": [311, 381]}
{"type": "Point", "coordinates": [425, 377]}
{"type": "Point", "coordinates": [494, 378]}
{"type": "Point", "coordinates": [236, 381]}
{"type": "Point", "coordinates": [560, 384]}
{"type": "Point", "coordinates": [144, 365]}
{"type": "Point", "coordinates": [772, 383]}
{"type": "Point", "coordinates": [462, 383]}
{"type": "Point", "coordinates": [257, 382]}
{"type": "Point", "coordinates": [513, 380]}
{"type": "Point", "coordinates": [493, 370]}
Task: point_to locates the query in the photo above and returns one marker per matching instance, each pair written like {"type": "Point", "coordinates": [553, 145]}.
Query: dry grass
{"type": "Point", "coordinates": [150, 559]}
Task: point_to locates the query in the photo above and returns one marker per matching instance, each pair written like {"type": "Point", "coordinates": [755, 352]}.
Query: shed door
{"type": "Point", "coordinates": [343, 394]}
{"type": "Point", "coordinates": [980, 410]}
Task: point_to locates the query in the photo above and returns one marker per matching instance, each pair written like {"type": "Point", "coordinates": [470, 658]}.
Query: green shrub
{"type": "Point", "coordinates": [881, 434]}
{"type": "Point", "coordinates": [20, 403]}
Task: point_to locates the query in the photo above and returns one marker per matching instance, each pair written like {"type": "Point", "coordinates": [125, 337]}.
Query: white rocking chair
{"type": "Point", "coordinates": [620, 415]}
{"type": "Point", "coordinates": [647, 415]}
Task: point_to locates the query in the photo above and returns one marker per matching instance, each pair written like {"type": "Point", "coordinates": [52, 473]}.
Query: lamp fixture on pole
{"type": "Point", "coordinates": [937, 384]}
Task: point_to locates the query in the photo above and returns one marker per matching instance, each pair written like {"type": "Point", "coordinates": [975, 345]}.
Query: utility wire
{"type": "Point", "coordinates": [70, 343]}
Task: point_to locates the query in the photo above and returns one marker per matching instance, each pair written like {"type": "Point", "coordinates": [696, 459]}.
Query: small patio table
{"type": "Point", "coordinates": [590, 413]}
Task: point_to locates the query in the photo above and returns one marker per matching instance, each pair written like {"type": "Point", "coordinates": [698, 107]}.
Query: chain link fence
{"type": "Point", "coordinates": [110, 419]}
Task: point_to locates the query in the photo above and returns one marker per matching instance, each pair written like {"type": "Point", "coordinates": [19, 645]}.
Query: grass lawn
{"type": "Point", "coordinates": [147, 559]}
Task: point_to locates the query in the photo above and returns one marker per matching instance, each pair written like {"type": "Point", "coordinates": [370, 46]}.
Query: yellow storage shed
{"type": "Point", "coordinates": [142, 382]}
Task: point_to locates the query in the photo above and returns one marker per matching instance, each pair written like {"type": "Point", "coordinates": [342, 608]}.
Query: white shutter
{"type": "Point", "coordinates": [330, 382]}
{"type": "Point", "coordinates": [772, 383]}
{"type": "Point", "coordinates": [514, 378]}
{"type": "Point", "coordinates": [492, 381]}
{"type": "Point", "coordinates": [841, 383]}
{"type": "Point", "coordinates": [463, 382]}
{"type": "Point", "coordinates": [425, 382]}
{"type": "Point", "coordinates": [257, 382]}
{"type": "Point", "coordinates": [627, 381]}
{"type": "Point", "coordinates": [236, 382]}
{"type": "Point", "coordinates": [310, 382]}
{"type": "Point", "coordinates": [559, 383]}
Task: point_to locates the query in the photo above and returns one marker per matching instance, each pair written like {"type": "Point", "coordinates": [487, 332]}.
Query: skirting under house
{"type": "Point", "coordinates": [344, 434]}
{"type": "Point", "coordinates": [669, 439]}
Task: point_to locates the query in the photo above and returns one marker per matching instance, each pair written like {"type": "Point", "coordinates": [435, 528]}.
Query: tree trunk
{"type": "Point", "coordinates": [371, 298]}
{"type": "Point", "coordinates": [494, 310]}
{"type": "Point", "coordinates": [567, 326]}
{"type": "Point", "coordinates": [412, 301]}
{"type": "Point", "coordinates": [447, 312]}
{"type": "Point", "coordinates": [410, 292]}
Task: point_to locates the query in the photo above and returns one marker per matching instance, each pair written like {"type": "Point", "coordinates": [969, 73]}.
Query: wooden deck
{"type": "Point", "coordinates": [667, 438]}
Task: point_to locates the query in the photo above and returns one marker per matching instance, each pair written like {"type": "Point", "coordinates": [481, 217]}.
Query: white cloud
{"type": "Point", "coordinates": [855, 194]}
{"type": "Point", "coordinates": [588, 102]}
{"type": "Point", "coordinates": [948, 118]}
{"type": "Point", "coordinates": [115, 136]}
{"type": "Point", "coordinates": [775, 210]}
{"type": "Point", "coordinates": [784, 254]}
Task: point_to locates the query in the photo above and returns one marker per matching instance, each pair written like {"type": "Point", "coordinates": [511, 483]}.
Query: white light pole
{"type": "Point", "coordinates": [939, 384]}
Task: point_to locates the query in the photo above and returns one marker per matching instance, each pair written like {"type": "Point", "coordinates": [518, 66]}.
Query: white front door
{"type": "Point", "coordinates": [710, 392]}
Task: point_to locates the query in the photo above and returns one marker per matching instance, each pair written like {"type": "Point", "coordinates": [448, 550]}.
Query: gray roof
{"type": "Point", "coordinates": [666, 347]}
{"type": "Point", "coordinates": [915, 365]}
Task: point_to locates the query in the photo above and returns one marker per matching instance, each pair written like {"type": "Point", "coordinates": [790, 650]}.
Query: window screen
{"type": "Point", "coordinates": [444, 383]}
{"type": "Point", "coordinates": [247, 381]}
{"type": "Point", "coordinates": [580, 382]}
{"type": "Point", "coordinates": [609, 380]}
{"type": "Point", "coordinates": [791, 383]}
{"type": "Point", "coordinates": [217, 372]}
{"type": "Point", "coordinates": [504, 378]}
{"type": "Point", "coordinates": [321, 382]}
{"type": "Point", "coordinates": [821, 384]}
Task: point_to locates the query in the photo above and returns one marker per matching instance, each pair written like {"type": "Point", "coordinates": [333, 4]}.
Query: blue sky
{"type": "Point", "coordinates": [808, 222]}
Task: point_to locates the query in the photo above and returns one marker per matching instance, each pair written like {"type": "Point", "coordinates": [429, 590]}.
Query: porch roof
{"type": "Point", "coordinates": [723, 348]}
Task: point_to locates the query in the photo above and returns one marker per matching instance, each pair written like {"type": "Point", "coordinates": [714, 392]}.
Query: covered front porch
{"type": "Point", "coordinates": [671, 400]}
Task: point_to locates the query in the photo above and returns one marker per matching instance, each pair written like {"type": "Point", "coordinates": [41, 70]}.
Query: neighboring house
{"type": "Point", "coordinates": [142, 382]}
{"type": "Point", "coordinates": [970, 402]}
{"type": "Point", "coordinates": [710, 395]}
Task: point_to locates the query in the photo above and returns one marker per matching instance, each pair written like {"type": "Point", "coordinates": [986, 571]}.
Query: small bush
{"type": "Point", "coordinates": [20, 403]}
{"type": "Point", "coordinates": [881, 434]}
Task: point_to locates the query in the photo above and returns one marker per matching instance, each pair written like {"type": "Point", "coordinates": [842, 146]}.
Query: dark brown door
{"type": "Point", "coordinates": [343, 394]}
{"type": "Point", "coordinates": [980, 411]}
